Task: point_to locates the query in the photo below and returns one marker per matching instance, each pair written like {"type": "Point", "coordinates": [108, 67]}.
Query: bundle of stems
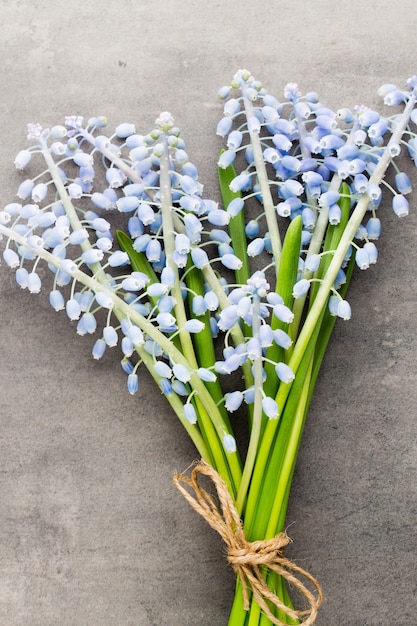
{"type": "Point", "coordinates": [228, 308]}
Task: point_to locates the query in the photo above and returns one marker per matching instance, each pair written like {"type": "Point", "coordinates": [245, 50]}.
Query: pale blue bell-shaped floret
{"type": "Point", "coordinates": [110, 336]}
{"type": "Point", "coordinates": [270, 407]}
{"type": "Point", "coordinates": [402, 183]}
{"type": "Point", "coordinates": [234, 140]}
{"type": "Point", "coordinates": [168, 276]}
{"type": "Point", "coordinates": [256, 247]}
{"type": "Point", "coordinates": [82, 159]}
{"type": "Point", "coordinates": [35, 242]}
{"type": "Point", "coordinates": [93, 255]}
{"type": "Point", "coordinates": [127, 366]}
{"type": "Point", "coordinates": [400, 205]}
{"type": "Point", "coordinates": [253, 348]}
{"type": "Point", "coordinates": [115, 177]}
{"type": "Point", "coordinates": [198, 305]}
{"type": "Point", "coordinates": [224, 126]}
{"type": "Point", "coordinates": [166, 386]}
{"type": "Point", "coordinates": [265, 336]}
{"type": "Point", "coordinates": [282, 339]}
{"type": "Point", "coordinates": [22, 277]}
{"type": "Point", "coordinates": [181, 372]}
{"type": "Point", "coordinates": [73, 309]}
{"type": "Point", "coordinates": [182, 243]}
{"type": "Point", "coordinates": [74, 191]}
{"type": "Point", "coordinates": [218, 217]}
{"type": "Point", "coordinates": [68, 266]}
{"type": "Point", "coordinates": [33, 282]}
{"type": "Point", "coordinates": [290, 163]}
{"type": "Point", "coordinates": [233, 400]}
{"type": "Point", "coordinates": [11, 258]}
{"type": "Point", "coordinates": [156, 290]}
{"type": "Point", "coordinates": [340, 279]}
{"type": "Point", "coordinates": [80, 328]}
{"type": "Point", "coordinates": [211, 300]}
{"type": "Point", "coordinates": [145, 213]}
{"type": "Point", "coordinates": [312, 262]}
{"type": "Point", "coordinates": [345, 115]}
{"type": "Point", "coordinates": [360, 183]}
{"type": "Point", "coordinates": [127, 204]}
{"type": "Point", "coordinates": [56, 300]}
{"type": "Point", "coordinates": [344, 310]}
{"type": "Point", "coordinates": [394, 97]}
{"type": "Point", "coordinates": [231, 261]}
{"type": "Point", "coordinates": [87, 174]}
{"type": "Point", "coordinates": [206, 375]}
{"type": "Point", "coordinates": [104, 300]}
{"type": "Point", "coordinates": [162, 369]}
{"type": "Point", "coordinates": [374, 192]}
{"type": "Point", "coordinates": [124, 130]}
{"type": "Point", "coordinates": [309, 218]}
{"type": "Point", "coordinates": [283, 313]}
{"type": "Point", "coordinates": [141, 242]}
{"type": "Point", "coordinates": [190, 413]}
{"type": "Point", "coordinates": [166, 322]}
{"type": "Point", "coordinates": [100, 224]}
{"type": "Point", "coordinates": [359, 137]}
{"type": "Point", "coordinates": [22, 159]}
{"type": "Point", "coordinates": [328, 198]}
{"type": "Point", "coordinates": [235, 206]}
{"type": "Point", "coordinates": [135, 227]}
{"type": "Point", "coordinates": [118, 259]}
{"type": "Point", "coordinates": [132, 383]}
{"type": "Point", "coordinates": [226, 158]}
{"type": "Point", "coordinates": [78, 236]}
{"type": "Point", "coordinates": [282, 142]}
{"type": "Point", "coordinates": [373, 227]}
{"type": "Point", "coordinates": [153, 251]}
{"type": "Point", "coordinates": [179, 259]}
{"type": "Point", "coordinates": [240, 182]}
{"type": "Point", "coordinates": [127, 346]}
{"type": "Point", "coordinates": [362, 259]}
{"type": "Point", "coordinates": [356, 166]}
{"type": "Point", "coordinates": [335, 214]}
{"type": "Point", "coordinates": [301, 288]}
{"type": "Point", "coordinates": [229, 443]}
{"type": "Point", "coordinates": [224, 92]}
{"type": "Point", "coordinates": [291, 188]}
{"type": "Point", "coordinates": [271, 155]}
{"type": "Point", "coordinates": [39, 192]}
{"type": "Point", "coordinates": [274, 298]}
{"type": "Point", "coordinates": [269, 113]}
{"type": "Point", "coordinates": [89, 322]}
{"type": "Point", "coordinates": [252, 229]}
{"type": "Point", "coordinates": [386, 88]}
{"type": "Point", "coordinates": [372, 252]}
{"type": "Point", "coordinates": [231, 107]}
{"type": "Point", "coordinates": [302, 109]}
{"type": "Point", "coordinates": [101, 201]}
{"type": "Point", "coordinates": [378, 129]}
{"type": "Point", "coordinates": [166, 303]}
{"type": "Point", "coordinates": [333, 305]}
{"type": "Point", "coordinates": [194, 326]}
{"type": "Point", "coordinates": [193, 227]}
{"type": "Point", "coordinates": [284, 372]}
{"type": "Point", "coordinates": [228, 317]}
{"type": "Point", "coordinates": [99, 349]}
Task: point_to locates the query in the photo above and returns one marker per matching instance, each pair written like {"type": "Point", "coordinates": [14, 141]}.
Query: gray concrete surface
{"type": "Point", "coordinates": [92, 532]}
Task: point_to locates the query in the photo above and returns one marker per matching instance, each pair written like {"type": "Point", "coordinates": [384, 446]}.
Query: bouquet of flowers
{"type": "Point", "coordinates": [230, 308]}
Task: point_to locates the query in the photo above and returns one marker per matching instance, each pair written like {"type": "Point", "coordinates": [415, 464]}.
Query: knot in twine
{"type": "Point", "coordinates": [247, 557]}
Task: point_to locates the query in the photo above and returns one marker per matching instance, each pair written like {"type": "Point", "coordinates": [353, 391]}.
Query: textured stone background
{"type": "Point", "coordinates": [92, 530]}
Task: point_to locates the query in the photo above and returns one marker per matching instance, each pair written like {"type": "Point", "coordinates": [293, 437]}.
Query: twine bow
{"type": "Point", "coordinates": [247, 557]}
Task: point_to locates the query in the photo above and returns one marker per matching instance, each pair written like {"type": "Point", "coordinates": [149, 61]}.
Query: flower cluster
{"type": "Point", "coordinates": [197, 292]}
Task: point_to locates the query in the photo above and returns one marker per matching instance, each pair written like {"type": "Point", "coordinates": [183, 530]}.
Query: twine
{"type": "Point", "coordinates": [247, 557]}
